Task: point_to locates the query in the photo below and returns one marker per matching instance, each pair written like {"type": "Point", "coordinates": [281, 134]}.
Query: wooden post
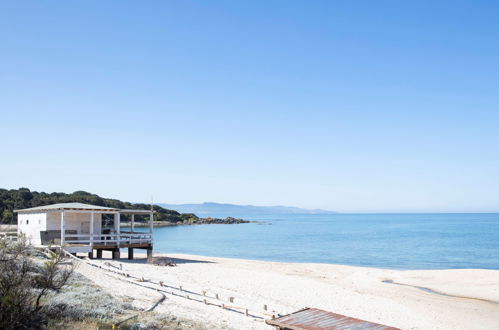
{"type": "Point", "coordinates": [91, 254]}
{"type": "Point", "coordinates": [149, 254]}
{"type": "Point", "coordinates": [231, 299]}
{"type": "Point", "coordinates": [91, 228]}
{"type": "Point", "coordinates": [132, 224]}
{"type": "Point", "coordinates": [264, 307]}
{"type": "Point", "coordinates": [116, 253]}
{"type": "Point", "coordinates": [99, 254]}
{"type": "Point", "coordinates": [62, 228]}
{"type": "Point", "coordinates": [151, 224]}
{"type": "Point", "coordinates": [130, 253]}
{"type": "Point", "coordinates": [117, 228]}
{"type": "Point", "coordinates": [246, 312]}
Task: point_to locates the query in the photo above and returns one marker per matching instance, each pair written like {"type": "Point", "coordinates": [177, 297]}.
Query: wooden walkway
{"type": "Point", "coordinates": [317, 319]}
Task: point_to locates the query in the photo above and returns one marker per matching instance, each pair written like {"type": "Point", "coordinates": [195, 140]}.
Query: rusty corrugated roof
{"type": "Point", "coordinates": [317, 319]}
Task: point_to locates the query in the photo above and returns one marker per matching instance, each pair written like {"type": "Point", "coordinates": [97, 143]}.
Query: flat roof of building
{"type": "Point", "coordinates": [80, 207]}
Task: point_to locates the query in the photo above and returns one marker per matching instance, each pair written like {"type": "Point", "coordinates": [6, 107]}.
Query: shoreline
{"type": "Point", "coordinates": [349, 290]}
{"type": "Point", "coordinates": [163, 254]}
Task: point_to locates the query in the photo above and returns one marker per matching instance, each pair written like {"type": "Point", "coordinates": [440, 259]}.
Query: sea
{"type": "Point", "coordinates": [394, 241]}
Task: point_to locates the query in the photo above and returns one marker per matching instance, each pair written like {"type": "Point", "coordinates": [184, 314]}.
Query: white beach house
{"type": "Point", "coordinates": [83, 228]}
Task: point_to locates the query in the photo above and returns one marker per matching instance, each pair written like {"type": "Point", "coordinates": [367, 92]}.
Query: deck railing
{"type": "Point", "coordinates": [124, 238]}
{"type": "Point", "coordinates": [9, 235]}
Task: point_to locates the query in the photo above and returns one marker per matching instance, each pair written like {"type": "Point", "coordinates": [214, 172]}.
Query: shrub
{"type": "Point", "coordinates": [24, 283]}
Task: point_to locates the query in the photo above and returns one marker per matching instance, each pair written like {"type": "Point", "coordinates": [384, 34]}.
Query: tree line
{"type": "Point", "coordinates": [22, 198]}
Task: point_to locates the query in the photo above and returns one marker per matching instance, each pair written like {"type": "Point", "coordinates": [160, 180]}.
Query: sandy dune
{"type": "Point", "coordinates": [286, 287]}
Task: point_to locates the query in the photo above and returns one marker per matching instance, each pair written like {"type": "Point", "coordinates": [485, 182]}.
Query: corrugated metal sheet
{"type": "Point", "coordinates": [317, 319]}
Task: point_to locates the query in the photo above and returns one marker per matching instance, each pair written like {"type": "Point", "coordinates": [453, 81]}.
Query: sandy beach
{"type": "Point", "coordinates": [463, 299]}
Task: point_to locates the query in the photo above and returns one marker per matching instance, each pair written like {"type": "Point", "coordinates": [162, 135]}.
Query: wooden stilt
{"type": "Point", "coordinates": [130, 253]}
{"type": "Point", "coordinates": [149, 255]}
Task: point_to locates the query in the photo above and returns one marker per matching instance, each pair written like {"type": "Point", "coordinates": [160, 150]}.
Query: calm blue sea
{"type": "Point", "coordinates": [400, 241]}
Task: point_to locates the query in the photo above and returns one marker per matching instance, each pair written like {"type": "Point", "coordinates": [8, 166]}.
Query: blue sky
{"type": "Point", "coordinates": [355, 106]}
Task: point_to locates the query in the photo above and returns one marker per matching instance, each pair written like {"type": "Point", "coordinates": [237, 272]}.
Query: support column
{"type": "Point", "coordinates": [62, 228]}
{"type": "Point", "coordinates": [91, 228]}
{"type": "Point", "coordinates": [117, 228]}
{"type": "Point", "coordinates": [151, 224]}
{"type": "Point", "coordinates": [99, 254]}
{"type": "Point", "coordinates": [91, 254]}
{"type": "Point", "coordinates": [116, 253]}
{"type": "Point", "coordinates": [130, 253]}
{"type": "Point", "coordinates": [149, 254]}
{"type": "Point", "coordinates": [132, 225]}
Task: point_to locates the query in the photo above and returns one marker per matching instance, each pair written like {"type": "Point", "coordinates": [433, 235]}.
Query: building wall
{"type": "Point", "coordinates": [30, 224]}
{"type": "Point", "coordinates": [74, 221]}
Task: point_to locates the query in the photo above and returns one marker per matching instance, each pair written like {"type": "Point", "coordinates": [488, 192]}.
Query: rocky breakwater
{"type": "Point", "coordinates": [210, 220]}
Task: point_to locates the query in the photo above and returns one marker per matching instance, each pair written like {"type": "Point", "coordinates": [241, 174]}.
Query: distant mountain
{"type": "Point", "coordinates": [224, 210]}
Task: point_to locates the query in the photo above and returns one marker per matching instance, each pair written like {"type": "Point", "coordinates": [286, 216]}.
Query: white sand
{"type": "Point", "coordinates": [286, 287]}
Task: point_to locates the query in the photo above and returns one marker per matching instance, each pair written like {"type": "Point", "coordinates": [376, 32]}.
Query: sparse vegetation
{"type": "Point", "coordinates": [39, 291]}
{"type": "Point", "coordinates": [24, 283]}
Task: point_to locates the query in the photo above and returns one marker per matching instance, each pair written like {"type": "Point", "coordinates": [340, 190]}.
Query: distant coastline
{"type": "Point", "coordinates": [225, 210]}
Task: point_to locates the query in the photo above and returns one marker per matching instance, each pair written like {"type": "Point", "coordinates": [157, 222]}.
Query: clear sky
{"type": "Point", "coordinates": [343, 105]}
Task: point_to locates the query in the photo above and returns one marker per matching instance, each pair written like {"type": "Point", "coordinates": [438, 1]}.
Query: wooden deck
{"type": "Point", "coordinates": [87, 243]}
{"type": "Point", "coordinates": [144, 245]}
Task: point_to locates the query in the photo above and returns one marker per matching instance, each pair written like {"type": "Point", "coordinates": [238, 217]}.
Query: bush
{"type": "Point", "coordinates": [24, 283]}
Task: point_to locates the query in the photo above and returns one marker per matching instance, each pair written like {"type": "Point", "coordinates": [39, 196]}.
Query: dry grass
{"type": "Point", "coordinates": [84, 305]}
